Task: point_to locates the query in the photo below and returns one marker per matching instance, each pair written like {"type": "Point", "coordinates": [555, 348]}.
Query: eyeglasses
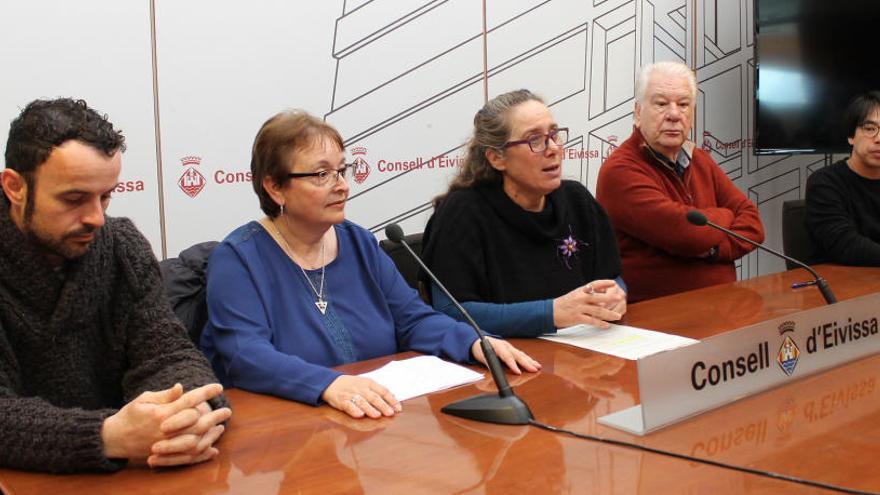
{"type": "Point", "coordinates": [869, 128]}
{"type": "Point", "coordinates": [322, 177]}
{"type": "Point", "coordinates": [539, 142]}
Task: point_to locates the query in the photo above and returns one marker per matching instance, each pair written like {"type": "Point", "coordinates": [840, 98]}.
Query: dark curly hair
{"type": "Point", "coordinates": [46, 124]}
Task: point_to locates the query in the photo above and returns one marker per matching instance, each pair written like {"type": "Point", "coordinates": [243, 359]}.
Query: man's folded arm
{"type": "Point", "coordinates": [158, 348]}
{"type": "Point", "coordinates": [639, 207]}
{"type": "Point", "coordinates": [35, 435]}
{"type": "Point", "coordinates": [745, 221]}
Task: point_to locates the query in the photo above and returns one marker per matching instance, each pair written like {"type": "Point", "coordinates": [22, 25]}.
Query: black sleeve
{"type": "Point", "coordinates": [607, 258]}
{"type": "Point", "coordinates": [831, 226]}
{"type": "Point", "coordinates": [36, 435]}
{"type": "Point", "coordinates": [454, 250]}
{"type": "Point", "coordinates": [157, 347]}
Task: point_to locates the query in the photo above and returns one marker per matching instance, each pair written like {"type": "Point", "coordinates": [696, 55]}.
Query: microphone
{"type": "Point", "coordinates": [504, 408]}
{"type": "Point", "coordinates": [697, 218]}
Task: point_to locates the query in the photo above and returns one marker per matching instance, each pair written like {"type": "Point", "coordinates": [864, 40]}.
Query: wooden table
{"type": "Point", "coordinates": [825, 427]}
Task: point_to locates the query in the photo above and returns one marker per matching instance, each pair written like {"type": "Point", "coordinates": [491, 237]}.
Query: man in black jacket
{"type": "Point", "coordinates": [843, 200]}
{"type": "Point", "coordinates": [93, 363]}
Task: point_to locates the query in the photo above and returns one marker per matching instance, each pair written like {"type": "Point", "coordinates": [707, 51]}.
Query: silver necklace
{"type": "Point", "coordinates": [321, 304]}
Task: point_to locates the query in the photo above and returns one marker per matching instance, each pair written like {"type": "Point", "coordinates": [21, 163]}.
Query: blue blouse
{"type": "Point", "coordinates": [265, 334]}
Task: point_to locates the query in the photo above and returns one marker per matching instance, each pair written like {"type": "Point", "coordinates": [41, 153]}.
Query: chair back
{"type": "Point", "coordinates": [185, 284]}
{"type": "Point", "coordinates": [796, 241]}
{"type": "Point", "coordinates": [406, 265]}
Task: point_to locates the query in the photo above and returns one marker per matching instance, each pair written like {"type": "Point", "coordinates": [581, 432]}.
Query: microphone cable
{"type": "Point", "coordinates": [395, 234]}
{"type": "Point", "coordinates": [685, 457]}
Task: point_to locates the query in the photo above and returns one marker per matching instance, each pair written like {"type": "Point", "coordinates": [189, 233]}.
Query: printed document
{"type": "Point", "coordinates": [619, 340]}
{"type": "Point", "coordinates": [421, 375]}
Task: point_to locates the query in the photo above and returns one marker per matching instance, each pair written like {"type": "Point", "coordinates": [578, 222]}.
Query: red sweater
{"type": "Point", "coordinates": [662, 253]}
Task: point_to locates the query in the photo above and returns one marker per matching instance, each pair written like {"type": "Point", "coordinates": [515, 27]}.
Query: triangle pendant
{"type": "Point", "coordinates": [322, 306]}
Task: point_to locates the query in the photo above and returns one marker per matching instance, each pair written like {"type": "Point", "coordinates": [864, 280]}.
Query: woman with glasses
{"type": "Point", "coordinates": [526, 251]}
{"type": "Point", "coordinates": [302, 289]}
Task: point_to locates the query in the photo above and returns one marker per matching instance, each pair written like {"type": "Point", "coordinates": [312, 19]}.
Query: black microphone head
{"type": "Point", "coordinates": [697, 218]}
{"type": "Point", "coordinates": [394, 233]}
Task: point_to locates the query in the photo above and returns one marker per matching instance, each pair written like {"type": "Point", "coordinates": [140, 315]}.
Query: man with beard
{"type": "Point", "coordinates": [843, 200]}
{"type": "Point", "coordinates": [93, 364]}
{"type": "Point", "coordinates": [648, 185]}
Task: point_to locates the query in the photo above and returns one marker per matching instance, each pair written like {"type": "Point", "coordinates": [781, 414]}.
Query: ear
{"type": "Point", "coordinates": [637, 115]}
{"type": "Point", "coordinates": [850, 140]}
{"type": "Point", "coordinates": [14, 186]}
{"type": "Point", "coordinates": [496, 159]}
{"type": "Point", "coordinates": [276, 192]}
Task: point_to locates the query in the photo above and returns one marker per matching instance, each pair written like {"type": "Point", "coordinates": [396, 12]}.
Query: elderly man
{"type": "Point", "coordinates": [93, 364]}
{"type": "Point", "coordinates": [648, 185]}
{"type": "Point", "coordinates": [843, 200]}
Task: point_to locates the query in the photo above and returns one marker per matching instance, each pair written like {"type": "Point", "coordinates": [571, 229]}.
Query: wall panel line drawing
{"type": "Point", "coordinates": [401, 80]}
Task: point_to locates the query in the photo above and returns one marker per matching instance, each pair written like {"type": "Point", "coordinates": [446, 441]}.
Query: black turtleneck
{"type": "Point", "coordinates": [484, 247]}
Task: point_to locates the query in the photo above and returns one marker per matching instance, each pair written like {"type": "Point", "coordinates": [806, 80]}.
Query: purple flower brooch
{"type": "Point", "coordinates": [569, 247]}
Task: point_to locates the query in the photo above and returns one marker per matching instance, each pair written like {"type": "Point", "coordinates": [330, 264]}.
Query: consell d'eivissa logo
{"type": "Point", "coordinates": [192, 182]}
{"type": "Point", "coordinates": [712, 143]}
{"type": "Point", "coordinates": [362, 167]}
{"type": "Point", "coordinates": [822, 337]}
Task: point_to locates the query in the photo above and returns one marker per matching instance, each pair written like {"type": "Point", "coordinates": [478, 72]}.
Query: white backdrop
{"type": "Point", "coordinates": [400, 79]}
{"type": "Point", "coordinates": [97, 50]}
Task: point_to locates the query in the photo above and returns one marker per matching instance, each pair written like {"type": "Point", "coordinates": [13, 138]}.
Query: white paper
{"type": "Point", "coordinates": [619, 340]}
{"type": "Point", "coordinates": [421, 375]}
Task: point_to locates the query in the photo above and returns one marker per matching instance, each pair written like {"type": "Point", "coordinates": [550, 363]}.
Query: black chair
{"type": "Point", "coordinates": [796, 241]}
{"type": "Point", "coordinates": [407, 266]}
{"type": "Point", "coordinates": [185, 283]}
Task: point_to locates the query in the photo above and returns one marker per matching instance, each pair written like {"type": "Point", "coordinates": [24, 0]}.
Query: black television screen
{"type": "Point", "coordinates": [812, 58]}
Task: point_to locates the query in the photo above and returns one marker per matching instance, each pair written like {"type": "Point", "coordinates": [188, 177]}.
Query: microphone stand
{"type": "Point", "coordinates": [697, 218]}
{"type": "Point", "coordinates": [505, 407]}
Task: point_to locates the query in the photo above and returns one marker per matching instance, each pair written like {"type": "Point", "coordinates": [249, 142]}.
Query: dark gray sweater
{"type": "Point", "coordinates": [77, 345]}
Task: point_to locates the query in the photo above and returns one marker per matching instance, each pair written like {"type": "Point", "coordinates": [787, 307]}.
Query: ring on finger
{"type": "Point", "coordinates": [590, 289]}
{"type": "Point", "coordinates": [355, 399]}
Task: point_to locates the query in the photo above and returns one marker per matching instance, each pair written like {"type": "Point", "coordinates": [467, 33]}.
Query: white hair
{"type": "Point", "coordinates": [667, 68]}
